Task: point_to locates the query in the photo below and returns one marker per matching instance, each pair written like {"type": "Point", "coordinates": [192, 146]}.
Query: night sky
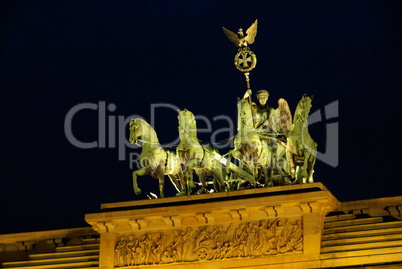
{"type": "Point", "coordinates": [129, 55]}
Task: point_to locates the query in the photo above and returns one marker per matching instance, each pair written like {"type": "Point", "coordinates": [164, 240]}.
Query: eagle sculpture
{"type": "Point", "coordinates": [239, 39]}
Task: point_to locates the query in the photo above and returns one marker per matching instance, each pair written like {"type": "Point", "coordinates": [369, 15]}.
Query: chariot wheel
{"type": "Point", "coordinates": [202, 253]}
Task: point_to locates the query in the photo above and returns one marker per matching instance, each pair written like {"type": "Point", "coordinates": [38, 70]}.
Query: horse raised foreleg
{"type": "Point", "coordinates": [136, 173]}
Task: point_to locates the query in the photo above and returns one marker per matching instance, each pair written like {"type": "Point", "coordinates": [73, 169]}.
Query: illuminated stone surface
{"type": "Point", "coordinates": [255, 227]}
{"type": "Point", "coordinates": [69, 248]}
{"type": "Point", "coordinates": [298, 226]}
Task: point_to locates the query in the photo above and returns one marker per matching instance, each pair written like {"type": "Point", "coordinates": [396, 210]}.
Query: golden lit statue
{"type": "Point", "coordinates": [262, 112]}
{"type": "Point", "coordinates": [245, 60]}
{"type": "Point", "coordinates": [271, 125]}
{"type": "Point", "coordinates": [194, 157]}
{"type": "Point", "coordinates": [249, 149]}
{"type": "Point", "coordinates": [301, 149]}
{"type": "Point", "coordinates": [154, 160]}
{"type": "Point", "coordinates": [239, 39]}
{"type": "Point", "coordinates": [267, 120]}
{"type": "Point", "coordinates": [189, 149]}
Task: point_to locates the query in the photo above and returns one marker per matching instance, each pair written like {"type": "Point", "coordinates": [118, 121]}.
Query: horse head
{"type": "Point", "coordinates": [303, 109]}
{"type": "Point", "coordinates": [187, 123]}
{"type": "Point", "coordinates": [135, 131]}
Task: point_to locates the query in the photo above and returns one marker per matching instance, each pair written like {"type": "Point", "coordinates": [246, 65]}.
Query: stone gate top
{"type": "Point", "coordinates": [256, 225]}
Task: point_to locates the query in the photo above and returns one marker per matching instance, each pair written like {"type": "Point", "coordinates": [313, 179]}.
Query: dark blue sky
{"type": "Point", "coordinates": [58, 54]}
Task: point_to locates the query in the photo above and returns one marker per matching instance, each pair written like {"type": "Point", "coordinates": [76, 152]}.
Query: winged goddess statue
{"type": "Point", "coordinates": [239, 39]}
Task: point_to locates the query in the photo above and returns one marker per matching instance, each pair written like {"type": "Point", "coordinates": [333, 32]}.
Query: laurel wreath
{"type": "Point", "coordinates": [245, 53]}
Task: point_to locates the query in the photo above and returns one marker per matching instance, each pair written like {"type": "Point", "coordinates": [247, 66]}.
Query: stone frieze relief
{"type": "Point", "coordinates": [214, 242]}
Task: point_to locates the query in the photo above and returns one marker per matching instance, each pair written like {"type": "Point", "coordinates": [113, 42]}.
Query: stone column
{"type": "Point", "coordinates": [108, 239]}
{"type": "Point", "coordinates": [313, 223]}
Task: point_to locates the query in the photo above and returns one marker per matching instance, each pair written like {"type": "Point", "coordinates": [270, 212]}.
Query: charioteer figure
{"type": "Point", "coordinates": [262, 119]}
{"type": "Point", "coordinates": [262, 112]}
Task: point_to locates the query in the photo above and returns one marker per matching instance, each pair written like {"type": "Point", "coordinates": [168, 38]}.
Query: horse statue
{"type": "Point", "coordinates": [249, 148]}
{"type": "Point", "coordinates": [301, 149]}
{"type": "Point", "coordinates": [280, 123]}
{"type": "Point", "coordinates": [154, 160]}
{"type": "Point", "coordinates": [194, 157]}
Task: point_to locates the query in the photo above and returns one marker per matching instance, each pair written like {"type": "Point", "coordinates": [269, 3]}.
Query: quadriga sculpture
{"type": "Point", "coordinates": [194, 157]}
{"type": "Point", "coordinates": [155, 161]}
{"type": "Point", "coordinates": [301, 150]}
